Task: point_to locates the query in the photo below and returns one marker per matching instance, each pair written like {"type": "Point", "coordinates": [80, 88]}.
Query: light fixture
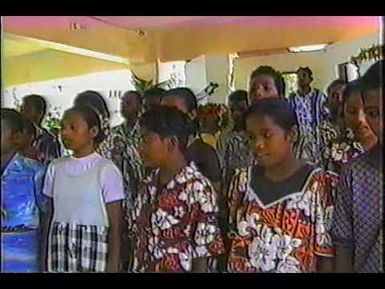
{"type": "Point", "coordinates": [308, 48]}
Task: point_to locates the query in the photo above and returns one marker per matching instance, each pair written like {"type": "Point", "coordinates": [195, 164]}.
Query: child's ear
{"type": "Point", "coordinates": [193, 114]}
{"type": "Point", "coordinates": [172, 143]}
{"type": "Point", "coordinates": [293, 134]}
{"type": "Point", "coordinates": [94, 131]}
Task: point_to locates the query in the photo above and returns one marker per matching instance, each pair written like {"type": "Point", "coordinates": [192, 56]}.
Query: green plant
{"type": "Point", "coordinates": [142, 85]}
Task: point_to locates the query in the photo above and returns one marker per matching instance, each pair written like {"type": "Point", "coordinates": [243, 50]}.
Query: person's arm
{"type": "Point", "coordinates": [113, 193]}
{"type": "Point", "coordinates": [207, 242]}
{"type": "Point", "coordinates": [325, 265]}
{"type": "Point", "coordinates": [115, 215]}
{"type": "Point", "coordinates": [342, 224]}
{"type": "Point", "coordinates": [46, 217]}
{"type": "Point", "coordinates": [46, 223]}
{"type": "Point", "coordinates": [323, 246]}
{"type": "Point", "coordinates": [199, 265]}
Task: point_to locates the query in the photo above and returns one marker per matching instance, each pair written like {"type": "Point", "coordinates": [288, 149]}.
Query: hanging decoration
{"type": "Point", "coordinates": [375, 52]}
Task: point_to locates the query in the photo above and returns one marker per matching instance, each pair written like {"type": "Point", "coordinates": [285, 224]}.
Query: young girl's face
{"type": "Point", "coordinates": [10, 140]}
{"type": "Point", "coordinates": [355, 117]}
{"type": "Point", "coordinates": [75, 132]}
{"type": "Point", "coordinates": [262, 86]}
{"type": "Point", "coordinates": [270, 143]}
{"type": "Point", "coordinates": [153, 149]}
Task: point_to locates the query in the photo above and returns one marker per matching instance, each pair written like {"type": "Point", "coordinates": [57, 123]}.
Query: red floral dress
{"type": "Point", "coordinates": [176, 225]}
{"type": "Point", "coordinates": [284, 236]}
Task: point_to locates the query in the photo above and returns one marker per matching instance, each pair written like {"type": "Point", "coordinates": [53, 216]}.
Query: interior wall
{"type": "Point", "coordinates": [323, 64]}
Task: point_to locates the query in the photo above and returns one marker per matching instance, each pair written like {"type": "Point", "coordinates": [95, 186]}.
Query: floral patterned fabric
{"type": "Point", "coordinates": [284, 236]}
{"type": "Point", "coordinates": [47, 146]}
{"type": "Point", "coordinates": [177, 224]}
{"type": "Point", "coordinates": [340, 147]}
{"type": "Point", "coordinates": [118, 149]}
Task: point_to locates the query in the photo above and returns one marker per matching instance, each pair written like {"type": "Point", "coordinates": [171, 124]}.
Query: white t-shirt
{"type": "Point", "coordinates": [80, 188]}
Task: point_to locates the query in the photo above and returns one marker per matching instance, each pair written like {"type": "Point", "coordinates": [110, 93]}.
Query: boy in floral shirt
{"type": "Point", "coordinates": [176, 213]}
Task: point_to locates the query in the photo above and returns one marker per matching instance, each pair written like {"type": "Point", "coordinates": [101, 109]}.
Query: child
{"type": "Point", "coordinates": [202, 154]}
{"type": "Point", "coordinates": [357, 223]}
{"type": "Point", "coordinates": [266, 82]}
{"type": "Point", "coordinates": [21, 200]}
{"type": "Point", "coordinates": [122, 151]}
{"type": "Point", "coordinates": [355, 137]}
{"type": "Point", "coordinates": [280, 209]}
{"type": "Point", "coordinates": [176, 211]}
{"type": "Point", "coordinates": [87, 192]}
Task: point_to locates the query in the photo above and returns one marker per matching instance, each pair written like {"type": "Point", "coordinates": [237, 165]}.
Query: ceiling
{"type": "Point", "coordinates": [143, 39]}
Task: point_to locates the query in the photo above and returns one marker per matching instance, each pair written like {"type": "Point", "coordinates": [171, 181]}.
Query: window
{"type": "Point", "coordinates": [290, 82]}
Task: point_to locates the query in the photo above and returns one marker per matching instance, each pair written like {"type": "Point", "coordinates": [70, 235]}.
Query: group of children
{"type": "Point", "coordinates": [156, 195]}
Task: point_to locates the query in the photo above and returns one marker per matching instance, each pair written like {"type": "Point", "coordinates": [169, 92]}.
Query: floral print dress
{"type": "Point", "coordinates": [285, 235]}
{"type": "Point", "coordinates": [177, 224]}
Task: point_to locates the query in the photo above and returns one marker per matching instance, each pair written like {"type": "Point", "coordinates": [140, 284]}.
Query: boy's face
{"type": "Point", "coordinates": [373, 112]}
{"type": "Point", "coordinates": [28, 111]}
{"type": "Point", "coordinates": [335, 97]}
{"type": "Point", "coordinates": [262, 86]}
{"type": "Point", "coordinates": [153, 149]}
{"type": "Point", "coordinates": [130, 106]}
{"type": "Point", "coordinates": [269, 143]}
{"type": "Point", "coordinates": [10, 140]}
{"type": "Point", "coordinates": [304, 78]}
{"type": "Point", "coordinates": [237, 108]}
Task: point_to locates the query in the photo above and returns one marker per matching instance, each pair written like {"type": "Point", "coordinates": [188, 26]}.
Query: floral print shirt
{"type": "Point", "coordinates": [177, 224]}
{"type": "Point", "coordinates": [285, 235]}
{"type": "Point", "coordinates": [117, 148]}
{"type": "Point", "coordinates": [47, 146]}
{"type": "Point", "coordinates": [340, 147]}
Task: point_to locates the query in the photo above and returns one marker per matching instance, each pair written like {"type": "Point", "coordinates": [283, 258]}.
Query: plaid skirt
{"type": "Point", "coordinates": [77, 248]}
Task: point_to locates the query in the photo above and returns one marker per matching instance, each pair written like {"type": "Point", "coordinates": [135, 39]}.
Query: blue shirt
{"type": "Point", "coordinates": [21, 193]}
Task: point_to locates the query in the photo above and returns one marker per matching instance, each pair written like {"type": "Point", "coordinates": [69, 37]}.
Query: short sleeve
{"type": "Point", "coordinates": [112, 184]}
{"type": "Point", "coordinates": [342, 225]}
{"type": "Point", "coordinates": [206, 236]}
{"type": "Point", "coordinates": [48, 181]}
{"type": "Point", "coordinates": [324, 215]}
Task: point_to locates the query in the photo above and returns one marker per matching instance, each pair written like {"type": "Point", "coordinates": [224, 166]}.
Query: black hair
{"type": "Point", "coordinates": [187, 95]}
{"type": "Point", "coordinates": [95, 100]}
{"type": "Point", "coordinates": [373, 79]}
{"type": "Point", "coordinates": [13, 118]}
{"type": "Point", "coordinates": [154, 93]}
{"type": "Point", "coordinates": [91, 117]}
{"type": "Point", "coordinates": [334, 83]}
{"type": "Point", "coordinates": [37, 101]}
{"type": "Point", "coordinates": [276, 75]}
{"type": "Point", "coordinates": [351, 87]}
{"type": "Point", "coordinates": [29, 127]}
{"type": "Point", "coordinates": [135, 93]}
{"type": "Point", "coordinates": [307, 70]}
{"type": "Point", "coordinates": [277, 109]}
{"type": "Point", "coordinates": [167, 122]}
{"type": "Point", "coordinates": [238, 96]}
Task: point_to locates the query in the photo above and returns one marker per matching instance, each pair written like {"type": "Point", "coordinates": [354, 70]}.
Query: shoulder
{"type": "Point", "coordinates": [32, 165]}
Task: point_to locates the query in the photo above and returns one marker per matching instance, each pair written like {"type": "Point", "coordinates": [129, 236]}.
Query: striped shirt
{"type": "Point", "coordinates": [311, 110]}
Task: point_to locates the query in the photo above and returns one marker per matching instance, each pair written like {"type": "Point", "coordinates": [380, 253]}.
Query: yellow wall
{"type": "Point", "coordinates": [51, 64]}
